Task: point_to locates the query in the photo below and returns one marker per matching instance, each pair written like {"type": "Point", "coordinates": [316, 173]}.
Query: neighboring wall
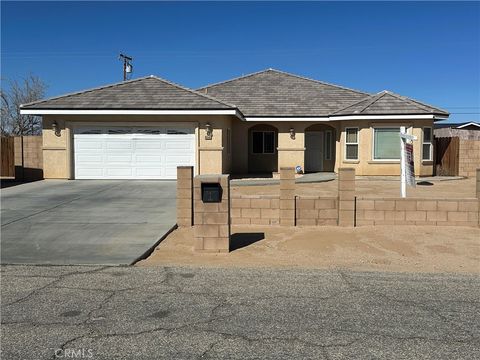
{"type": "Point", "coordinates": [469, 157]}
{"type": "Point", "coordinates": [28, 158]}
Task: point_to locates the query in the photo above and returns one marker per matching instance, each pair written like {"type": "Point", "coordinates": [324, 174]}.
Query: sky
{"type": "Point", "coordinates": [429, 51]}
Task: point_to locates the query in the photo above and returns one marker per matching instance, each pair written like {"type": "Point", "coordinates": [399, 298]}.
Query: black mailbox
{"type": "Point", "coordinates": [211, 193]}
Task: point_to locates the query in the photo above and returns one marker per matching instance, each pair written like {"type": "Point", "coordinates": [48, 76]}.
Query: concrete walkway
{"type": "Point", "coordinates": [84, 221]}
{"type": "Point", "coordinates": [306, 178]}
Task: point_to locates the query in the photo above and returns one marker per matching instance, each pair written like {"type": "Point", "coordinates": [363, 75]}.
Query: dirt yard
{"type": "Point", "coordinates": [385, 248]}
{"type": "Point", "coordinates": [371, 188]}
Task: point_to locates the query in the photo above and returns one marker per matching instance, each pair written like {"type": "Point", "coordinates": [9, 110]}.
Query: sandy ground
{"type": "Point", "coordinates": [425, 249]}
{"type": "Point", "coordinates": [373, 188]}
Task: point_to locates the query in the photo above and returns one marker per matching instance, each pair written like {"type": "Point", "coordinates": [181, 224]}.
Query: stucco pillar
{"type": "Point", "coordinates": [346, 196]}
{"type": "Point", "coordinates": [287, 196]}
{"type": "Point", "coordinates": [184, 196]}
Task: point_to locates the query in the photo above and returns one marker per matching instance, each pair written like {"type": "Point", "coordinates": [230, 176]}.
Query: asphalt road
{"type": "Point", "coordinates": [50, 312]}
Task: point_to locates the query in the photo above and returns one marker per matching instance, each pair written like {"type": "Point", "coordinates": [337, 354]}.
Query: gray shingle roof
{"type": "Point", "coordinates": [143, 93]}
{"type": "Point", "coordinates": [388, 103]}
{"type": "Point", "coordinates": [276, 93]}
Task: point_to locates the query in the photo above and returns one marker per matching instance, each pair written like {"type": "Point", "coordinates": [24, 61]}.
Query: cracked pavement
{"type": "Point", "coordinates": [213, 313]}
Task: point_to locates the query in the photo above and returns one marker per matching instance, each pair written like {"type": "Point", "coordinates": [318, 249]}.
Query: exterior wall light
{"type": "Point", "coordinates": [56, 128]}
{"type": "Point", "coordinates": [209, 129]}
{"type": "Point", "coordinates": [292, 133]}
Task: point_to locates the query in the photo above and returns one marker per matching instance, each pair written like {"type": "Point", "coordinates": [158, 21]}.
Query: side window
{"type": "Point", "coordinates": [427, 147]}
{"type": "Point", "coordinates": [351, 143]}
{"type": "Point", "coordinates": [328, 145]}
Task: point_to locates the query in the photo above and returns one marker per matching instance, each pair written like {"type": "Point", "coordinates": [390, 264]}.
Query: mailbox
{"type": "Point", "coordinates": [211, 192]}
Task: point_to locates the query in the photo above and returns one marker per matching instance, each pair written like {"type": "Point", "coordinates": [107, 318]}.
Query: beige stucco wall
{"type": "Point", "coordinates": [212, 155]}
{"type": "Point", "coordinates": [365, 165]}
{"type": "Point", "coordinates": [58, 159]}
{"type": "Point", "coordinates": [291, 152]}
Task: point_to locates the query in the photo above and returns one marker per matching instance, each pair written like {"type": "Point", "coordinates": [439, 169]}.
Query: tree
{"type": "Point", "coordinates": [30, 88]}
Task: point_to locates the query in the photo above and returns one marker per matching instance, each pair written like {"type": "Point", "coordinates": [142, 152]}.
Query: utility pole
{"type": "Point", "coordinates": [127, 66]}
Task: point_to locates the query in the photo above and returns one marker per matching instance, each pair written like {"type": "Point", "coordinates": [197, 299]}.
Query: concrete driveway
{"type": "Point", "coordinates": [84, 221]}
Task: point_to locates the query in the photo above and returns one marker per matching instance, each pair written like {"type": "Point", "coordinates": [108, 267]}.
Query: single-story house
{"type": "Point", "coordinates": [144, 128]}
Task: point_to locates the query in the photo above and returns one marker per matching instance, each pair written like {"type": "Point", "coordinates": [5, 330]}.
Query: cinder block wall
{"type": "Point", "coordinates": [317, 211]}
{"type": "Point", "coordinates": [469, 157]}
{"type": "Point", "coordinates": [398, 211]}
{"type": "Point", "coordinates": [255, 210]}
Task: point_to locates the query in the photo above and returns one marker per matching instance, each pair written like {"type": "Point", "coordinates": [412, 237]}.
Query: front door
{"type": "Point", "coordinates": [314, 151]}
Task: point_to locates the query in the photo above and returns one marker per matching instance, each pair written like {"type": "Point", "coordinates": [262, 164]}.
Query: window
{"type": "Point", "coordinates": [263, 142]}
{"type": "Point", "coordinates": [427, 144]}
{"type": "Point", "coordinates": [351, 143]}
{"type": "Point", "coordinates": [328, 145]}
{"type": "Point", "coordinates": [386, 143]}
{"type": "Point", "coordinates": [177, 132]}
{"type": "Point", "coordinates": [148, 131]}
{"type": "Point", "coordinates": [119, 131]}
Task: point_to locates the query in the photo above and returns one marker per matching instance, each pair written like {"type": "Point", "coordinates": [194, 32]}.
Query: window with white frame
{"type": "Point", "coordinates": [427, 147]}
{"type": "Point", "coordinates": [386, 143]}
{"type": "Point", "coordinates": [328, 145]}
{"type": "Point", "coordinates": [263, 142]}
{"type": "Point", "coordinates": [351, 143]}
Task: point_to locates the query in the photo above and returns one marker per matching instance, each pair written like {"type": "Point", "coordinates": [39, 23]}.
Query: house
{"type": "Point", "coordinates": [257, 123]}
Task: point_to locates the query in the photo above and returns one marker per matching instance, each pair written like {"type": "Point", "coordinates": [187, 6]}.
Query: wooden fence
{"type": "Point", "coordinates": [447, 156]}
{"type": "Point", "coordinates": [7, 157]}
{"type": "Point", "coordinates": [22, 158]}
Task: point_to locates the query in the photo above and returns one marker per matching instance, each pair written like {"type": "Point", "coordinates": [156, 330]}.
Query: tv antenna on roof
{"type": "Point", "coordinates": [127, 65]}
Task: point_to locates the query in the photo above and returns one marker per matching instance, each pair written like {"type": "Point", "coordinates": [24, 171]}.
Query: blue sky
{"type": "Point", "coordinates": [425, 50]}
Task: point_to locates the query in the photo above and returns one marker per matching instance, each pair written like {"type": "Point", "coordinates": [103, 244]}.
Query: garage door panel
{"type": "Point", "coordinates": [132, 153]}
{"type": "Point", "coordinates": [154, 160]}
{"type": "Point", "coordinates": [148, 144]}
{"type": "Point", "coordinates": [88, 172]}
{"type": "Point", "coordinates": [89, 159]}
{"type": "Point", "coordinates": [127, 158]}
{"type": "Point", "coordinates": [119, 144]}
{"type": "Point", "coordinates": [119, 172]}
{"type": "Point", "coordinates": [89, 144]}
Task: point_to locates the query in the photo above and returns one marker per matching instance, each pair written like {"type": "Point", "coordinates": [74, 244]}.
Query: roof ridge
{"type": "Point", "coordinates": [233, 79]}
{"type": "Point", "coordinates": [129, 82]}
{"type": "Point", "coordinates": [192, 91]}
{"type": "Point", "coordinates": [428, 105]}
{"type": "Point", "coordinates": [374, 99]}
{"type": "Point", "coordinates": [85, 91]}
{"type": "Point", "coordinates": [285, 73]}
{"type": "Point", "coordinates": [417, 103]}
{"type": "Point", "coordinates": [353, 103]}
{"type": "Point", "coordinates": [319, 81]}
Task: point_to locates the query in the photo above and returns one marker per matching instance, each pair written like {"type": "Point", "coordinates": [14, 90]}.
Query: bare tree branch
{"type": "Point", "coordinates": [29, 89]}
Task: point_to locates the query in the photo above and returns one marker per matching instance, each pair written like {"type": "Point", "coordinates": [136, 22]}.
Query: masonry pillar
{"type": "Point", "coordinates": [211, 219]}
{"type": "Point", "coordinates": [184, 196]}
{"type": "Point", "coordinates": [287, 196]}
{"type": "Point", "coordinates": [346, 196]}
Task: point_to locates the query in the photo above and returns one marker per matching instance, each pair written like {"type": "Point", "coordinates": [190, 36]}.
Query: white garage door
{"type": "Point", "coordinates": [132, 152]}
